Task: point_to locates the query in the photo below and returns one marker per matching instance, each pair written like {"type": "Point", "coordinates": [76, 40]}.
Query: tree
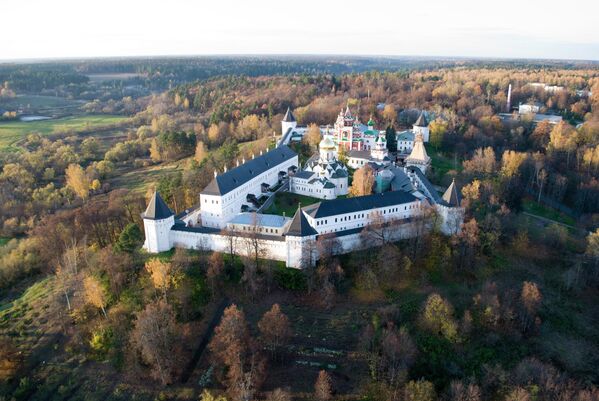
{"type": "Point", "coordinates": [155, 151]}
{"type": "Point", "coordinates": [278, 395]}
{"type": "Point", "coordinates": [437, 317]}
{"type": "Point", "coordinates": [389, 113]}
{"type": "Point", "coordinates": [161, 274]}
{"type": "Point", "coordinates": [78, 181]}
{"type": "Point", "coordinates": [592, 250]}
{"type": "Point", "coordinates": [483, 161]}
{"type": "Point", "coordinates": [201, 152]}
{"type": "Point", "coordinates": [313, 137]}
{"type": "Point", "coordinates": [129, 239]}
{"type": "Point", "coordinates": [274, 328]}
{"type": "Point", "coordinates": [437, 129]}
{"type": "Point", "coordinates": [94, 293]}
{"type": "Point", "coordinates": [323, 388]}
{"type": "Point", "coordinates": [391, 138]}
{"type": "Point", "coordinates": [531, 299]}
{"type": "Point", "coordinates": [398, 353]}
{"type": "Point", "coordinates": [363, 181]}
{"type": "Point", "coordinates": [231, 337]}
{"type": "Point", "coordinates": [155, 336]}
{"type": "Point", "coordinates": [207, 396]}
{"type": "Point", "coordinates": [420, 390]}
{"type": "Point", "coordinates": [458, 391]}
{"type": "Point", "coordinates": [511, 161]}
{"type": "Point", "coordinates": [215, 270]}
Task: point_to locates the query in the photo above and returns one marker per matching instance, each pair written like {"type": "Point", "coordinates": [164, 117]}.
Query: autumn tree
{"type": "Point", "coordinates": [530, 298]}
{"type": "Point", "coordinates": [207, 396]}
{"type": "Point", "coordinates": [363, 181]}
{"type": "Point", "coordinates": [389, 113]}
{"type": "Point", "coordinates": [482, 162]}
{"type": "Point", "coordinates": [420, 390]}
{"type": "Point", "coordinates": [278, 395]}
{"type": "Point", "coordinates": [312, 136]}
{"type": "Point", "coordinates": [323, 390]}
{"type": "Point", "coordinates": [94, 293]}
{"type": "Point", "coordinates": [216, 266]}
{"type": "Point", "coordinates": [274, 328]}
{"type": "Point", "coordinates": [161, 274]}
{"type": "Point", "coordinates": [592, 250]}
{"type": "Point", "coordinates": [201, 152]}
{"type": "Point", "coordinates": [78, 181]}
{"type": "Point", "coordinates": [437, 129]}
{"type": "Point", "coordinates": [155, 336]}
{"type": "Point", "coordinates": [459, 391]}
{"type": "Point", "coordinates": [437, 317]}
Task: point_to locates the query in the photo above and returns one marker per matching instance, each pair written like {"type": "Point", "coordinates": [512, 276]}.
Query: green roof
{"type": "Point", "coordinates": [371, 132]}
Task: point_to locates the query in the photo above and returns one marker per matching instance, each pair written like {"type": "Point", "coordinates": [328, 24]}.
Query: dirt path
{"type": "Point", "coordinates": [187, 372]}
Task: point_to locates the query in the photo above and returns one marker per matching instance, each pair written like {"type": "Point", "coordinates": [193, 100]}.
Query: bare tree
{"type": "Point", "coordinates": [155, 335]}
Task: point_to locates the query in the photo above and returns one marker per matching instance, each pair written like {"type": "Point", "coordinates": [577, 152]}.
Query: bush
{"type": "Point", "coordinates": [290, 279]}
{"type": "Point", "coordinates": [102, 342]}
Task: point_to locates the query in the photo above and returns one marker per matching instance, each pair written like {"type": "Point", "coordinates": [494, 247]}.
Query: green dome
{"type": "Point", "coordinates": [371, 122]}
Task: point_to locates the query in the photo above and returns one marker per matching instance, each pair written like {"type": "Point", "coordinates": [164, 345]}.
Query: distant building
{"type": "Point", "coordinates": [529, 108]}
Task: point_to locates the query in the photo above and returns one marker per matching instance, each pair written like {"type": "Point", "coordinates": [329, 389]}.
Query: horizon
{"type": "Point", "coordinates": [461, 29]}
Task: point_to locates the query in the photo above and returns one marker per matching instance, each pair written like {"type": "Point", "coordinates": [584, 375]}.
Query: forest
{"type": "Point", "coordinates": [504, 310]}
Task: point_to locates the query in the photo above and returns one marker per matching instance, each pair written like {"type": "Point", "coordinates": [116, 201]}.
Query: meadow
{"type": "Point", "coordinates": [11, 132]}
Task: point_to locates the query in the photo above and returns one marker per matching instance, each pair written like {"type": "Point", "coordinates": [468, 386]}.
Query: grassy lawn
{"type": "Point", "coordinates": [441, 162]}
{"type": "Point", "coordinates": [532, 207]}
{"type": "Point", "coordinates": [286, 203]}
{"type": "Point", "coordinates": [139, 179]}
{"type": "Point", "coordinates": [4, 241]}
{"type": "Point", "coordinates": [39, 102]}
{"type": "Point", "coordinates": [13, 131]}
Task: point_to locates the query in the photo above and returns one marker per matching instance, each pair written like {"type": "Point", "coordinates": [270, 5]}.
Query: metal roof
{"type": "Point", "coordinates": [299, 226]}
{"type": "Point", "coordinates": [263, 220]}
{"type": "Point", "coordinates": [227, 182]}
{"type": "Point", "coordinates": [421, 122]}
{"type": "Point", "coordinates": [349, 205]}
{"type": "Point", "coordinates": [157, 209]}
{"type": "Point", "coordinates": [452, 195]}
{"type": "Point", "coordinates": [289, 117]}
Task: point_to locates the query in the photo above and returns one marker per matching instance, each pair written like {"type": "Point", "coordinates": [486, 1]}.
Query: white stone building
{"type": "Point", "coordinates": [323, 176]}
{"type": "Point", "coordinates": [224, 197]}
{"type": "Point", "coordinates": [378, 155]}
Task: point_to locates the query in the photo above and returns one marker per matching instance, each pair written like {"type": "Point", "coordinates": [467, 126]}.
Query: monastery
{"type": "Point", "coordinates": [228, 212]}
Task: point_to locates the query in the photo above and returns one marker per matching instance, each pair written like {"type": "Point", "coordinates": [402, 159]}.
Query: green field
{"type": "Point", "coordinates": [532, 207]}
{"type": "Point", "coordinates": [4, 241]}
{"type": "Point", "coordinates": [13, 131]}
{"type": "Point", "coordinates": [441, 162]}
{"type": "Point", "coordinates": [286, 203]}
{"type": "Point", "coordinates": [38, 102]}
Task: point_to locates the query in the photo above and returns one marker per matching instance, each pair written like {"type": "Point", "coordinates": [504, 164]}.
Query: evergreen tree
{"type": "Point", "coordinates": [129, 239]}
{"type": "Point", "coordinates": [391, 139]}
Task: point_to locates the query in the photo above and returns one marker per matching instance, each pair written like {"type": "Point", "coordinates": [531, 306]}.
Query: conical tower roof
{"type": "Point", "coordinates": [421, 122]}
{"type": "Point", "coordinates": [418, 154]}
{"type": "Point", "coordinates": [289, 117]}
{"type": "Point", "coordinates": [157, 209]}
{"type": "Point", "coordinates": [299, 226]}
{"type": "Point", "coordinates": [452, 195]}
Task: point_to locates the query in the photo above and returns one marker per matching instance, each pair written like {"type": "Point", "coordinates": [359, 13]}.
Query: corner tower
{"type": "Point", "coordinates": [288, 122]}
{"type": "Point", "coordinates": [158, 220]}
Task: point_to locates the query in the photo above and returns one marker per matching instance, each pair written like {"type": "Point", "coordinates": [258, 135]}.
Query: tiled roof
{"type": "Point", "coordinates": [452, 195]}
{"type": "Point", "coordinates": [289, 117]}
{"type": "Point", "coordinates": [421, 122]}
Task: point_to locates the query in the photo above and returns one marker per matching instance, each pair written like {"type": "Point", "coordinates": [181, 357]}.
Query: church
{"type": "Point", "coordinates": [323, 176]}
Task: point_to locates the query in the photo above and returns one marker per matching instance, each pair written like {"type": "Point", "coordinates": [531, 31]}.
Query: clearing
{"type": "Point", "coordinates": [13, 131]}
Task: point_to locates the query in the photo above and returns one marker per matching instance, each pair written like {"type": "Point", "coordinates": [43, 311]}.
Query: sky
{"type": "Point", "coordinates": [35, 29]}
